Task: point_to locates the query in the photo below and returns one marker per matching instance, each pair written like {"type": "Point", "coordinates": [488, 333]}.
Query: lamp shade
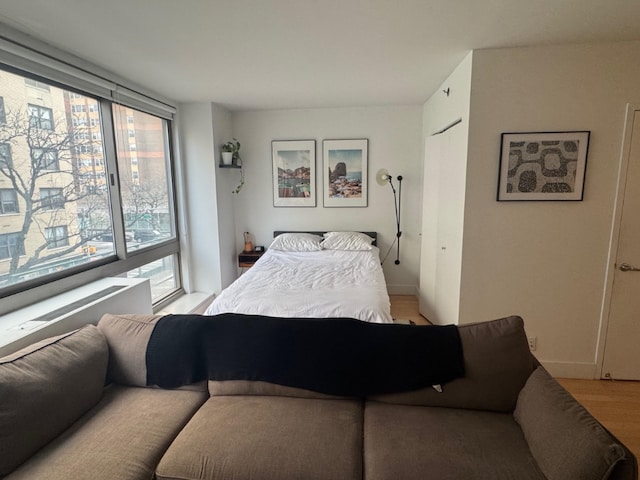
{"type": "Point", "coordinates": [382, 177]}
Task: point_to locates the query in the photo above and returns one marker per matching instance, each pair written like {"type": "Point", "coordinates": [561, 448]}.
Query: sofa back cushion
{"type": "Point", "coordinates": [565, 440]}
{"type": "Point", "coordinates": [497, 363]}
{"type": "Point", "coordinates": [127, 336]}
{"type": "Point", "coordinates": [45, 387]}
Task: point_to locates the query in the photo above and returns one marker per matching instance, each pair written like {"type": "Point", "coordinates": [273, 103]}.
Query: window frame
{"type": "Point", "coordinates": [59, 241]}
{"type": "Point", "coordinates": [9, 236]}
{"type": "Point", "coordinates": [33, 83]}
{"type": "Point", "coordinates": [15, 201]}
{"type": "Point", "coordinates": [54, 161]}
{"type": "Point", "coordinates": [122, 261]}
{"type": "Point", "coordinates": [9, 162]}
{"type": "Point", "coordinates": [53, 202]}
{"type": "Point", "coordinates": [36, 121]}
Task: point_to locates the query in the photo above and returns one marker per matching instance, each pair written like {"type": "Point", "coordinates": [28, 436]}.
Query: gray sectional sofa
{"type": "Point", "coordinates": [505, 419]}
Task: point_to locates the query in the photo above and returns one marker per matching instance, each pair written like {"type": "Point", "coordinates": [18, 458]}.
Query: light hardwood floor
{"type": "Point", "coordinates": [616, 404]}
{"type": "Point", "coordinates": [405, 307]}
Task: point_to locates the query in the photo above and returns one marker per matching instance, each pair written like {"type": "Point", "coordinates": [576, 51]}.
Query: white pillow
{"type": "Point", "coordinates": [297, 242]}
{"type": "Point", "coordinates": [346, 241]}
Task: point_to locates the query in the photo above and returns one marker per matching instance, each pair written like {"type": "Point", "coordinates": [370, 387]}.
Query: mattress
{"type": "Point", "coordinates": [326, 283]}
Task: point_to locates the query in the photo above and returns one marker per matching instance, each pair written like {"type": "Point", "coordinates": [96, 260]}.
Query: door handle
{"type": "Point", "coordinates": [625, 267]}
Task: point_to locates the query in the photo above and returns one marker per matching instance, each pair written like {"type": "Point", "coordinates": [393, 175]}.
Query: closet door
{"type": "Point", "coordinates": [429, 229]}
{"type": "Point", "coordinates": [442, 225]}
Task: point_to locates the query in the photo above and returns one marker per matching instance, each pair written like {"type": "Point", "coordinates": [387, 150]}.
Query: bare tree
{"type": "Point", "coordinates": [142, 201]}
{"type": "Point", "coordinates": [43, 175]}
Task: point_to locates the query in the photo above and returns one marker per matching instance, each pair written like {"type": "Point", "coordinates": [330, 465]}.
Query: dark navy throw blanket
{"type": "Point", "coordinates": [336, 356]}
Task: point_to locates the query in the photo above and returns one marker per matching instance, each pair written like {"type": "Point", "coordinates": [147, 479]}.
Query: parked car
{"type": "Point", "coordinates": [108, 237]}
{"type": "Point", "coordinates": [145, 235]}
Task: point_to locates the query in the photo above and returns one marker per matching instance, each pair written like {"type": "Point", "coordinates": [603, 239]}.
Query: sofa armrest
{"type": "Point", "coordinates": [45, 387]}
{"type": "Point", "coordinates": [565, 440]}
{"type": "Point", "coordinates": [627, 468]}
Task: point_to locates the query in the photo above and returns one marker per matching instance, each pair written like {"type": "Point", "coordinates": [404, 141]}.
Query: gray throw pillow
{"type": "Point", "coordinates": [565, 440]}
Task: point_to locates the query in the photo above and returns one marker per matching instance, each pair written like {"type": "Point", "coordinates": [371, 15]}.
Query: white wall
{"type": "Point", "coordinates": [440, 110]}
{"type": "Point", "coordinates": [445, 164]}
{"type": "Point", "coordinates": [394, 143]}
{"type": "Point", "coordinates": [225, 214]}
{"type": "Point", "coordinates": [207, 228]}
{"type": "Point", "coordinates": [545, 261]}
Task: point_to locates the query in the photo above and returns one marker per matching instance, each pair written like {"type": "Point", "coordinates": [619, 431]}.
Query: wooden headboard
{"type": "Point", "coordinates": [373, 235]}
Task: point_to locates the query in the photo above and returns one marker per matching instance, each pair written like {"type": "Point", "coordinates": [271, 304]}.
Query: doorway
{"type": "Point", "coordinates": [621, 357]}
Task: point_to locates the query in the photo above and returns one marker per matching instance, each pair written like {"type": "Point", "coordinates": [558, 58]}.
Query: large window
{"type": "Point", "coordinates": [162, 274]}
{"type": "Point", "coordinates": [8, 201]}
{"type": "Point", "coordinates": [57, 237]}
{"type": "Point", "coordinates": [11, 244]}
{"type": "Point", "coordinates": [78, 203]}
{"type": "Point", "coordinates": [51, 198]}
{"type": "Point", "coordinates": [5, 156]}
{"type": "Point", "coordinates": [45, 158]}
{"type": "Point", "coordinates": [35, 83]}
{"type": "Point", "coordinates": [40, 117]}
{"type": "Point", "coordinates": [144, 177]}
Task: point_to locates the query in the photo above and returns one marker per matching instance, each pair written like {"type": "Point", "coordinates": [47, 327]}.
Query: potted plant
{"type": "Point", "coordinates": [230, 151]}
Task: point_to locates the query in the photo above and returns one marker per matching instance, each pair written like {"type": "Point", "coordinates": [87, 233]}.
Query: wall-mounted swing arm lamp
{"type": "Point", "coordinates": [383, 178]}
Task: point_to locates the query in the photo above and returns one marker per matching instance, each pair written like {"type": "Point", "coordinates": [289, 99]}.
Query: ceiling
{"type": "Point", "coordinates": [273, 54]}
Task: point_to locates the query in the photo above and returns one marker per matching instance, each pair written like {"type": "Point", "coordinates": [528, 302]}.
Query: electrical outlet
{"type": "Point", "coordinates": [532, 343]}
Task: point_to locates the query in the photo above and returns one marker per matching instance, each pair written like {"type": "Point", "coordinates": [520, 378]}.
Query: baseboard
{"type": "Point", "coordinates": [401, 289]}
{"type": "Point", "coordinates": [571, 369]}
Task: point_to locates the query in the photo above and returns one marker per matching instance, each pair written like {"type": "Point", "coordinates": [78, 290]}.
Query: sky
{"type": "Point", "coordinates": [351, 158]}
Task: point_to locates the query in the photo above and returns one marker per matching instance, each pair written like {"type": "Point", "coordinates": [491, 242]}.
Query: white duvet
{"type": "Point", "coordinates": [328, 283]}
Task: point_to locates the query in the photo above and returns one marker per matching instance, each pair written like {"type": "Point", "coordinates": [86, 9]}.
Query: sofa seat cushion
{"type": "Point", "coordinates": [268, 438]}
{"type": "Point", "coordinates": [414, 442]}
{"type": "Point", "coordinates": [45, 387]}
{"type": "Point", "coordinates": [122, 437]}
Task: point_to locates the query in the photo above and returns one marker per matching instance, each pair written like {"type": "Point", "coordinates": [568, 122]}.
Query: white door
{"type": "Point", "coordinates": [434, 147]}
{"type": "Point", "coordinates": [622, 345]}
{"type": "Point", "coordinates": [442, 225]}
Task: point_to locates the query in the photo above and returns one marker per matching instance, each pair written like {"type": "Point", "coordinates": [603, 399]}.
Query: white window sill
{"type": "Point", "coordinates": [73, 309]}
{"type": "Point", "coordinates": [196, 302]}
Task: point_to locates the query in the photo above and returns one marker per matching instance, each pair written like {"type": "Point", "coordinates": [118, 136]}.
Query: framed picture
{"type": "Point", "coordinates": [543, 165]}
{"type": "Point", "coordinates": [294, 173]}
{"type": "Point", "coordinates": [345, 173]}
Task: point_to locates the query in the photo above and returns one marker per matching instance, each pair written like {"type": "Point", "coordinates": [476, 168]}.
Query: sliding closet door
{"type": "Point", "coordinates": [429, 231]}
{"type": "Point", "coordinates": [442, 225]}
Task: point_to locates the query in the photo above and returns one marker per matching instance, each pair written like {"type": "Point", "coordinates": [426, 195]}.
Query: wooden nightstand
{"type": "Point", "coordinates": [247, 259]}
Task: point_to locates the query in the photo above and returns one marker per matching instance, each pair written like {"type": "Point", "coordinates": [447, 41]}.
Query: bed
{"type": "Point", "coordinates": [303, 274]}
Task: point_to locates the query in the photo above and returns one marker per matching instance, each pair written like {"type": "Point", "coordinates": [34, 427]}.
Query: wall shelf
{"type": "Point", "coordinates": [222, 165]}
